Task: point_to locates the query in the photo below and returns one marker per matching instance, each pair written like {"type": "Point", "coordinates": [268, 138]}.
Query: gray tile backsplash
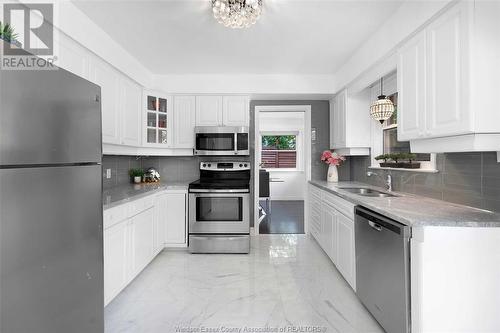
{"type": "Point", "coordinates": [171, 168]}
{"type": "Point", "coordinates": [471, 179]}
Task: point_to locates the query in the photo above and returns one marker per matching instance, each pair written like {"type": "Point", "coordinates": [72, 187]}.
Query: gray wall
{"type": "Point", "coordinates": [471, 179]}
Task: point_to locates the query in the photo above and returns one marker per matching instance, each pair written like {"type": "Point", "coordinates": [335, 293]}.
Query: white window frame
{"type": "Point", "coordinates": [377, 136]}
{"type": "Point", "coordinates": [299, 165]}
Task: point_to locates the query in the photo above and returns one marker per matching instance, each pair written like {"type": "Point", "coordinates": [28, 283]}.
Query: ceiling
{"type": "Point", "coordinates": [291, 37]}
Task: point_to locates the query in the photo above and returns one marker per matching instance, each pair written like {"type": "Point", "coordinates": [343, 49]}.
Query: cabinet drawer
{"type": "Point", "coordinates": [343, 206]}
{"type": "Point", "coordinates": [137, 206]}
{"type": "Point", "coordinates": [114, 215]}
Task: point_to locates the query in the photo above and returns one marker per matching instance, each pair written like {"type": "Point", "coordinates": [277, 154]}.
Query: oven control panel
{"type": "Point", "coordinates": [224, 166]}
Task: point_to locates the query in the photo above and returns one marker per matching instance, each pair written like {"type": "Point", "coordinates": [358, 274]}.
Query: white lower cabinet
{"type": "Point", "coordinates": [115, 259]}
{"type": "Point", "coordinates": [314, 213]}
{"type": "Point", "coordinates": [135, 232]}
{"type": "Point", "coordinates": [173, 217]}
{"type": "Point", "coordinates": [346, 261]}
{"type": "Point", "coordinates": [329, 231]}
{"type": "Point", "coordinates": [331, 222]}
{"type": "Point", "coordinates": [141, 231]}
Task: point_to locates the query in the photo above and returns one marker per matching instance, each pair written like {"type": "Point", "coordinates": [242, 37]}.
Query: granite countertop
{"type": "Point", "coordinates": [123, 193]}
{"type": "Point", "coordinates": [413, 210]}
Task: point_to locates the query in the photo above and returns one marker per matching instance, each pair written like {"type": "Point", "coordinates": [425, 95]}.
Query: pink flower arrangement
{"type": "Point", "coordinates": [332, 158]}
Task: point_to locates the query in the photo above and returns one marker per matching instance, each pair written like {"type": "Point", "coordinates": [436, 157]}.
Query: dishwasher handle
{"type": "Point", "coordinates": [374, 225]}
{"type": "Point", "coordinates": [379, 222]}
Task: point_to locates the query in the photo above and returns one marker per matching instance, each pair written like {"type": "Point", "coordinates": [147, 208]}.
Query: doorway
{"type": "Point", "coordinates": [282, 168]}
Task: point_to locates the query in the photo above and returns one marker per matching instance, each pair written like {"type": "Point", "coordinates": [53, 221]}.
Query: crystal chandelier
{"type": "Point", "coordinates": [383, 108]}
{"type": "Point", "coordinates": [237, 13]}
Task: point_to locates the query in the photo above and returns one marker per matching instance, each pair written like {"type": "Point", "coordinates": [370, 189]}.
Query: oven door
{"type": "Point", "coordinates": [219, 213]}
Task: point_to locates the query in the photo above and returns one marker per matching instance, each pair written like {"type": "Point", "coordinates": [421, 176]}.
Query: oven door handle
{"type": "Point", "coordinates": [218, 191]}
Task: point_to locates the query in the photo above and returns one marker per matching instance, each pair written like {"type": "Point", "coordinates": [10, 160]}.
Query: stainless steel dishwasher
{"type": "Point", "coordinates": [382, 269]}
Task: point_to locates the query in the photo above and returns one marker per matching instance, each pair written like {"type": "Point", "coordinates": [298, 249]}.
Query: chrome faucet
{"type": "Point", "coordinates": [388, 183]}
{"type": "Point", "coordinates": [388, 180]}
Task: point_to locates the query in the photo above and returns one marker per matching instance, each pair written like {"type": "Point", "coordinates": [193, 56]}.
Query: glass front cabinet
{"type": "Point", "coordinates": [157, 119]}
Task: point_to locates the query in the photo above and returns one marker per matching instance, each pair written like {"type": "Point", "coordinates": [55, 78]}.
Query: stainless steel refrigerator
{"type": "Point", "coordinates": [51, 251]}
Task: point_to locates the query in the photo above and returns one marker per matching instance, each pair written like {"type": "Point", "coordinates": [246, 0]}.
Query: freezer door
{"type": "Point", "coordinates": [48, 117]}
{"type": "Point", "coordinates": [51, 250]}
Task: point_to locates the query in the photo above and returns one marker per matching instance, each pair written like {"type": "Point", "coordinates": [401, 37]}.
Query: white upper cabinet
{"type": "Point", "coordinates": [73, 57]}
{"type": "Point", "coordinates": [222, 110]}
{"type": "Point", "coordinates": [157, 120]}
{"type": "Point", "coordinates": [208, 110]}
{"type": "Point", "coordinates": [184, 121]}
{"type": "Point", "coordinates": [131, 97]}
{"type": "Point", "coordinates": [338, 125]}
{"type": "Point", "coordinates": [350, 126]}
{"type": "Point", "coordinates": [105, 76]}
{"type": "Point", "coordinates": [411, 92]}
{"type": "Point", "coordinates": [235, 110]}
{"type": "Point", "coordinates": [120, 104]}
{"type": "Point", "coordinates": [448, 109]}
{"type": "Point", "coordinates": [448, 77]}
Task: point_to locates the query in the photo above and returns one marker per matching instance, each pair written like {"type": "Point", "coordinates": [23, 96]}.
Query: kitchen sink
{"type": "Point", "coordinates": [367, 192]}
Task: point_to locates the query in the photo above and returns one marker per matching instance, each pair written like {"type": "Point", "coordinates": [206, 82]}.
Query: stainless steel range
{"type": "Point", "coordinates": [219, 208]}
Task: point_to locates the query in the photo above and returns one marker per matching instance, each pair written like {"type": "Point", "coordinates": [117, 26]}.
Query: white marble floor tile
{"type": "Point", "coordinates": [285, 282]}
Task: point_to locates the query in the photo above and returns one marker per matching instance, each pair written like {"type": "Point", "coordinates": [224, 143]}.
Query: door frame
{"type": "Point", "coordinates": [307, 154]}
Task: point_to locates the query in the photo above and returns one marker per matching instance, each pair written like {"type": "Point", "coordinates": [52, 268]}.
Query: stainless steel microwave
{"type": "Point", "coordinates": [221, 140]}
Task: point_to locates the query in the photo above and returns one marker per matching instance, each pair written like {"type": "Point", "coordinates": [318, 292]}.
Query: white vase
{"type": "Point", "coordinates": [137, 180]}
{"type": "Point", "coordinates": [333, 174]}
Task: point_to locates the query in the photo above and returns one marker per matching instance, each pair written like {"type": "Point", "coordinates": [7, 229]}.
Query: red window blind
{"type": "Point", "coordinates": [279, 159]}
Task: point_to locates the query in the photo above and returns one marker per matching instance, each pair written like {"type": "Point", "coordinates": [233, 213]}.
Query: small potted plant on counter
{"type": "Point", "coordinates": [333, 160]}
{"type": "Point", "coordinates": [386, 158]}
{"type": "Point", "coordinates": [136, 175]}
{"type": "Point", "coordinates": [8, 34]}
{"type": "Point", "coordinates": [411, 164]}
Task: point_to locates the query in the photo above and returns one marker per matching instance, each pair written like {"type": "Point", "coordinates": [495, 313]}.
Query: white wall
{"type": "Point", "coordinates": [244, 84]}
{"type": "Point", "coordinates": [76, 25]}
{"type": "Point", "coordinates": [409, 17]}
{"type": "Point", "coordinates": [287, 185]}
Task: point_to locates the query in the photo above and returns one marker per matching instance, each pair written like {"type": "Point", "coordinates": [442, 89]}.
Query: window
{"type": "Point", "coordinates": [279, 151]}
{"type": "Point", "coordinates": [390, 135]}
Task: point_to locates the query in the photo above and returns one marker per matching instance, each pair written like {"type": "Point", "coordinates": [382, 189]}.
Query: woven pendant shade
{"type": "Point", "coordinates": [383, 108]}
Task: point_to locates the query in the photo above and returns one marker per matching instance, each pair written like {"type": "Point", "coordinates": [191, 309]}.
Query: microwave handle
{"type": "Point", "coordinates": [235, 143]}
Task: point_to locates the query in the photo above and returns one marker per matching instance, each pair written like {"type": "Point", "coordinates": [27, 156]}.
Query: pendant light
{"type": "Point", "coordinates": [383, 108]}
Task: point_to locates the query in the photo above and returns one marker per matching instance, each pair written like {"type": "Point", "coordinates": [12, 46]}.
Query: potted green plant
{"type": "Point", "coordinates": [411, 164]}
{"type": "Point", "coordinates": [136, 175]}
{"type": "Point", "coordinates": [386, 158]}
{"type": "Point", "coordinates": [8, 34]}
{"type": "Point", "coordinates": [396, 157]}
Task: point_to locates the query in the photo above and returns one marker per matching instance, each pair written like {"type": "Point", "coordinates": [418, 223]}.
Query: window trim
{"type": "Point", "coordinates": [377, 136]}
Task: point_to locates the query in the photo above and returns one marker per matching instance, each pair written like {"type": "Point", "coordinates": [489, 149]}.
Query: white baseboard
{"type": "Point", "coordinates": [175, 245]}
{"type": "Point", "coordinates": [287, 198]}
